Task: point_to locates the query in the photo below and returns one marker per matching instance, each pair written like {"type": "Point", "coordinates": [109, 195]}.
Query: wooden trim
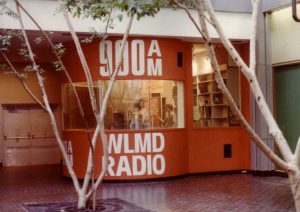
{"type": "Point", "coordinates": [292, 62]}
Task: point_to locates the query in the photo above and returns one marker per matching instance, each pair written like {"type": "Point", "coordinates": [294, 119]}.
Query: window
{"type": "Point", "coordinates": [133, 104]}
{"type": "Point", "coordinates": [210, 106]}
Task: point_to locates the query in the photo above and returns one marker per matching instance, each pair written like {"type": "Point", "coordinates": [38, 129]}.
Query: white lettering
{"type": "Point", "coordinates": [154, 69]}
{"type": "Point", "coordinates": [154, 49]}
{"type": "Point", "coordinates": [155, 138]}
{"type": "Point", "coordinates": [69, 150]}
{"type": "Point", "coordinates": [134, 164]}
{"type": "Point", "coordinates": [138, 169]}
{"type": "Point", "coordinates": [149, 165]}
{"type": "Point", "coordinates": [161, 170]}
{"type": "Point", "coordinates": [126, 145]}
{"type": "Point", "coordinates": [105, 58]}
{"type": "Point", "coordinates": [113, 145]}
{"type": "Point", "coordinates": [138, 57]}
{"type": "Point", "coordinates": [154, 58]}
{"type": "Point", "coordinates": [123, 166]}
{"type": "Point", "coordinates": [124, 70]}
{"type": "Point", "coordinates": [111, 163]}
{"type": "Point", "coordinates": [142, 145]}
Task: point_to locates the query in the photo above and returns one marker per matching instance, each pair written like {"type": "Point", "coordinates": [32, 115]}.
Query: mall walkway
{"type": "Point", "coordinates": [234, 192]}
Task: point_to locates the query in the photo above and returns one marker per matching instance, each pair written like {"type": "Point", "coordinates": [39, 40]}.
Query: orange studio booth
{"type": "Point", "coordinates": [145, 120]}
{"type": "Point", "coordinates": [166, 115]}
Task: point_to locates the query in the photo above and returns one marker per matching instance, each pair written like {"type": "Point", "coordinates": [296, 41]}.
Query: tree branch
{"type": "Point", "coordinates": [233, 106]}
{"type": "Point", "coordinates": [105, 101]}
{"type": "Point", "coordinates": [47, 105]}
{"type": "Point", "coordinates": [62, 65]}
{"type": "Point", "coordinates": [85, 66]}
{"type": "Point", "coordinates": [191, 17]}
{"type": "Point", "coordinates": [22, 81]}
{"type": "Point", "coordinates": [254, 85]}
{"type": "Point", "coordinates": [68, 78]}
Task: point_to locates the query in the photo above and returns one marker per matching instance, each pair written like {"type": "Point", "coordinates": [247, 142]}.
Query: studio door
{"type": "Point", "coordinates": [28, 137]}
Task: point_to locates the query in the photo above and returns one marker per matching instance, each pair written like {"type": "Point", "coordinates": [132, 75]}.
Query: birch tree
{"type": "Point", "coordinates": [290, 161]}
{"type": "Point", "coordinates": [139, 9]}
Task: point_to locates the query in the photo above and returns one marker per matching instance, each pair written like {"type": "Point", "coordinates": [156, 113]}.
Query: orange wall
{"type": "Point", "coordinates": [206, 151]}
{"type": "Point", "coordinates": [168, 48]}
{"type": "Point", "coordinates": [206, 145]}
{"type": "Point", "coordinates": [188, 150]}
{"type": "Point", "coordinates": [174, 154]}
{"type": "Point", "coordinates": [12, 91]}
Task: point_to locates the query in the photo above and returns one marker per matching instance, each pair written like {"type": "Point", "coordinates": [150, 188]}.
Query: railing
{"type": "Point", "coordinates": [29, 136]}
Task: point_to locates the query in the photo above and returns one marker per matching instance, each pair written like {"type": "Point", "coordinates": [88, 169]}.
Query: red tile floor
{"type": "Point", "coordinates": [230, 192]}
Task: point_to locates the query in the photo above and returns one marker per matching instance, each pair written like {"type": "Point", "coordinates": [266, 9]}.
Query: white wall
{"type": "Point", "coordinates": [285, 36]}
{"type": "Point", "coordinates": [168, 22]}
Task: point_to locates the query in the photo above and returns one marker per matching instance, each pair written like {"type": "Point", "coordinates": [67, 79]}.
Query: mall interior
{"type": "Point", "coordinates": [165, 70]}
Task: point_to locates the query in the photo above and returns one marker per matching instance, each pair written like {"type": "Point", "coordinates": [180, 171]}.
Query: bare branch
{"type": "Point", "coordinates": [191, 17]}
{"type": "Point", "coordinates": [85, 66]}
{"type": "Point", "coordinates": [46, 36]}
{"type": "Point", "coordinates": [263, 147]}
{"type": "Point", "coordinates": [47, 105]}
{"type": "Point", "coordinates": [105, 101]}
{"type": "Point", "coordinates": [7, 10]}
{"type": "Point", "coordinates": [90, 163]}
{"type": "Point", "coordinates": [254, 85]}
{"type": "Point", "coordinates": [24, 84]}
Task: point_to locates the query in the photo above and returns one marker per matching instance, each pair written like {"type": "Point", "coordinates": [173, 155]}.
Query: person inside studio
{"type": "Point", "coordinates": [140, 119]}
{"type": "Point", "coordinates": [170, 120]}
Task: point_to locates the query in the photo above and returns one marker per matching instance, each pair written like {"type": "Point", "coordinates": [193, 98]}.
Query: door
{"type": "Point", "coordinates": [28, 137]}
{"type": "Point", "coordinates": [155, 108]}
{"type": "Point", "coordinates": [16, 136]}
{"type": "Point", "coordinates": [287, 102]}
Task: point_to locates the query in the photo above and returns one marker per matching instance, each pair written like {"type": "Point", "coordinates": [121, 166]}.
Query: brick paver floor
{"type": "Point", "coordinates": [234, 192]}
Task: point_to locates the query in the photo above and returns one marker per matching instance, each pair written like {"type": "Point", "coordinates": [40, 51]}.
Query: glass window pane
{"type": "Point", "coordinates": [71, 111]}
{"type": "Point", "coordinates": [133, 104]}
{"type": "Point", "coordinates": [210, 106]}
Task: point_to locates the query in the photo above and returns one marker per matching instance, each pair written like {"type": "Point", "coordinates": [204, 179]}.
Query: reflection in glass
{"type": "Point", "coordinates": [133, 104]}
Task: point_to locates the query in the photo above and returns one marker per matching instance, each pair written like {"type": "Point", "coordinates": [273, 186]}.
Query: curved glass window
{"type": "Point", "coordinates": [133, 104]}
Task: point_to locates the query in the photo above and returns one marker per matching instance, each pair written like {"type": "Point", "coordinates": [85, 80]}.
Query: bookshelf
{"type": "Point", "coordinates": [210, 106]}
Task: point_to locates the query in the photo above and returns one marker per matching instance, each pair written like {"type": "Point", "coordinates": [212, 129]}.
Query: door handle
{"type": "Point", "coordinates": [15, 137]}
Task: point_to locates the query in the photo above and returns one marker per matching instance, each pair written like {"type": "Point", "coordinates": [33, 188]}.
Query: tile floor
{"type": "Point", "coordinates": [229, 192]}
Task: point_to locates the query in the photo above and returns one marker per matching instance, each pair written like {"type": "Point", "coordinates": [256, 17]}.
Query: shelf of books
{"type": "Point", "coordinates": [210, 106]}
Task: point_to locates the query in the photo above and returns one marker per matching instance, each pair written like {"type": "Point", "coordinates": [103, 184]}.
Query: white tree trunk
{"type": "Point", "coordinates": [204, 32]}
{"type": "Point", "coordinates": [249, 73]}
{"type": "Point", "coordinates": [82, 200]}
{"type": "Point", "coordinates": [99, 116]}
{"type": "Point", "coordinates": [294, 178]}
{"type": "Point", "coordinates": [291, 161]}
{"type": "Point", "coordinates": [47, 105]}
